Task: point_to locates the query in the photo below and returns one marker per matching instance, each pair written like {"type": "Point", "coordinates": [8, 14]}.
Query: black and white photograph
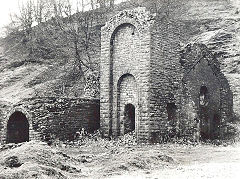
{"type": "Point", "coordinates": [120, 89]}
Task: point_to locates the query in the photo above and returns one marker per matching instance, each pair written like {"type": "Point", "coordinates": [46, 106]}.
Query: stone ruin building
{"type": "Point", "coordinates": [150, 84]}
{"type": "Point", "coordinates": [49, 118]}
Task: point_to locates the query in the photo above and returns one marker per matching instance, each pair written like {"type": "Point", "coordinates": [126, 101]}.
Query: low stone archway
{"type": "Point", "coordinates": [129, 118]}
{"type": "Point", "coordinates": [17, 128]}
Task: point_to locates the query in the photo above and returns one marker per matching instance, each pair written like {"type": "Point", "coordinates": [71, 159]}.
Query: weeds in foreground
{"type": "Point", "coordinates": [129, 139]}
{"type": "Point", "coordinates": [84, 138]}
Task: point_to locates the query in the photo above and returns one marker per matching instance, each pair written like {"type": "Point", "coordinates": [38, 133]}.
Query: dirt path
{"type": "Point", "coordinates": [106, 159]}
{"type": "Point", "coordinates": [199, 162]}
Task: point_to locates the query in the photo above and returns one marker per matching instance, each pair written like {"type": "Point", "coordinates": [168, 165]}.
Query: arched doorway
{"type": "Point", "coordinates": [215, 125]}
{"type": "Point", "coordinates": [172, 118]}
{"type": "Point", "coordinates": [172, 112]}
{"type": "Point", "coordinates": [129, 118]}
{"type": "Point", "coordinates": [204, 113]}
{"type": "Point", "coordinates": [17, 128]}
{"type": "Point", "coordinates": [127, 104]}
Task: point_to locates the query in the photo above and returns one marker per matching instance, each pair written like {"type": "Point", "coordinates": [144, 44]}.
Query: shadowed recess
{"type": "Point", "coordinates": [17, 128]}
{"type": "Point", "coordinates": [129, 114]}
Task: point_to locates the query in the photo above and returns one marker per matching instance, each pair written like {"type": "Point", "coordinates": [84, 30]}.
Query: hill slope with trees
{"type": "Point", "coordinates": [54, 50]}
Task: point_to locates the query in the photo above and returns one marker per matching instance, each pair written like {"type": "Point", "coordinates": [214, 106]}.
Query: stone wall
{"type": "Point", "coordinates": [125, 50]}
{"type": "Point", "coordinates": [165, 78]}
{"type": "Point", "coordinates": [4, 110]}
{"type": "Point", "coordinates": [147, 49]}
{"type": "Point", "coordinates": [56, 117]}
{"type": "Point", "coordinates": [214, 108]}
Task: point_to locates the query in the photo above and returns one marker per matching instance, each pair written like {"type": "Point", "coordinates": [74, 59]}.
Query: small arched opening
{"type": "Point", "coordinates": [203, 97]}
{"type": "Point", "coordinates": [17, 128]}
{"type": "Point", "coordinates": [129, 118]}
{"type": "Point", "coordinates": [171, 111]}
{"type": "Point", "coordinates": [172, 118]}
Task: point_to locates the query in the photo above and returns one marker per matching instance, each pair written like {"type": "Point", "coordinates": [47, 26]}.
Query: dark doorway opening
{"type": "Point", "coordinates": [129, 118]}
{"type": "Point", "coordinates": [204, 124]}
{"type": "Point", "coordinates": [203, 97]}
{"type": "Point", "coordinates": [204, 114]}
{"type": "Point", "coordinates": [17, 128]}
{"type": "Point", "coordinates": [172, 114]}
{"type": "Point", "coordinates": [171, 110]}
{"type": "Point", "coordinates": [215, 126]}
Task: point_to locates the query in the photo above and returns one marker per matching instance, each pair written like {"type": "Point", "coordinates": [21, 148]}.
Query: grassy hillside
{"type": "Point", "coordinates": [47, 72]}
{"type": "Point", "coordinates": [219, 28]}
{"type": "Point", "coordinates": [213, 22]}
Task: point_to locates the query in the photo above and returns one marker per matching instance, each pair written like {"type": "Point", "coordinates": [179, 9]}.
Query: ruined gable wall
{"type": "Point", "coordinates": [201, 68]}
{"type": "Point", "coordinates": [201, 75]}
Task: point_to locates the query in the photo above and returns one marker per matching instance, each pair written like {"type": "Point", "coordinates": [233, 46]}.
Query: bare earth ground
{"type": "Point", "coordinates": [198, 162]}
{"type": "Point", "coordinates": [111, 159]}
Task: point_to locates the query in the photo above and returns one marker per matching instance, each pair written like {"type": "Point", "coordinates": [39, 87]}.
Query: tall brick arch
{"type": "Point", "coordinates": [125, 49]}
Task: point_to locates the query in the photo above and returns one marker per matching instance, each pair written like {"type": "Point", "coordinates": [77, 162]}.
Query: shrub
{"type": "Point", "coordinates": [12, 162]}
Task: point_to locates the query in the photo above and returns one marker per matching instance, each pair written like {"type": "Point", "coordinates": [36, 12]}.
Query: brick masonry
{"type": "Point", "coordinates": [202, 69]}
{"type": "Point", "coordinates": [56, 117]}
{"type": "Point", "coordinates": [141, 64]}
{"type": "Point", "coordinates": [125, 55]}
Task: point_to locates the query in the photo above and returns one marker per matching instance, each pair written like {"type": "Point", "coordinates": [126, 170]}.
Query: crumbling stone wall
{"type": "Point", "coordinates": [202, 70]}
{"type": "Point", "coordinates": [56, 117]}
{"type": "Point", "coordinates": [147, 48]}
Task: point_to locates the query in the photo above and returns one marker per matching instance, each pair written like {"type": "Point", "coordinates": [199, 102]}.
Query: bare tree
{"type": "Point", "coordinates": [25, 19]}
{"type": "Point", "coordinates": [43, 11]}
{"type": "Point", "coordinates": [30, 16]}
{"type": "Point", "coordinates": [156, 6]}
{"type": "Point", "coordinates": [105, 3]}
{"type": "Point", "coordinates": [79, 29]}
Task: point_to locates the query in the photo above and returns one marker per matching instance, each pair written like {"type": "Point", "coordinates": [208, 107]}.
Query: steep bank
{"type": "Point", "coordinates": [216, 23]}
